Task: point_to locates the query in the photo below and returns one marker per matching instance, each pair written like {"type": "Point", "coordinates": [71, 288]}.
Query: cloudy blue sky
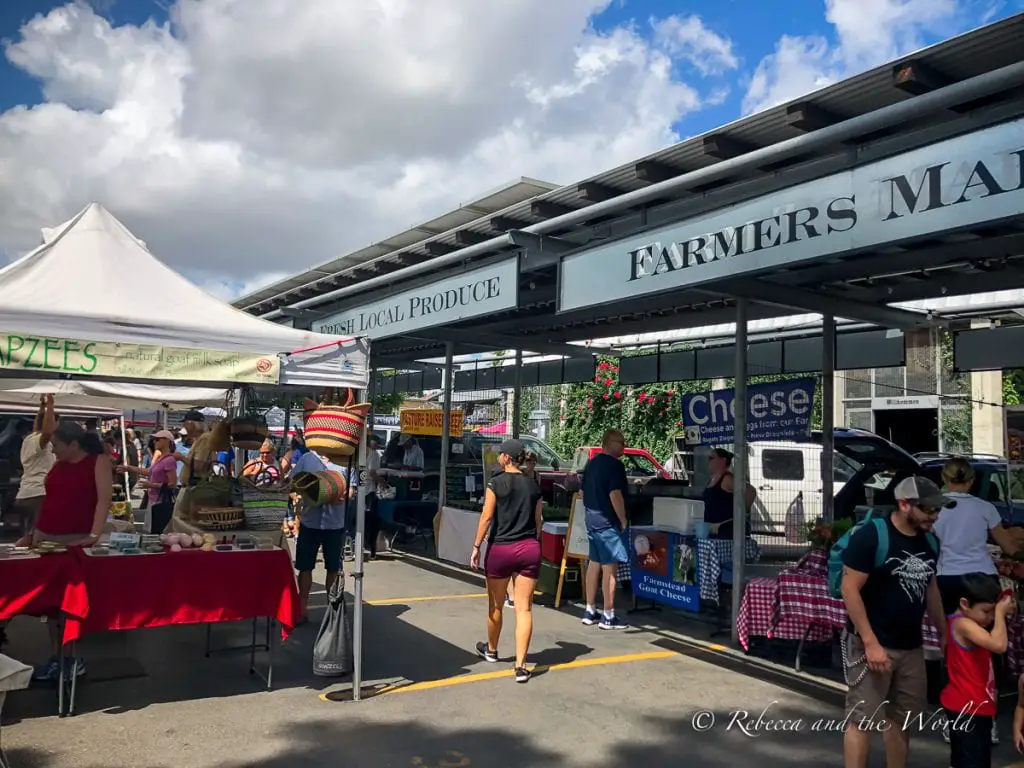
{"type": "Point", "coordinates": [249, 139]}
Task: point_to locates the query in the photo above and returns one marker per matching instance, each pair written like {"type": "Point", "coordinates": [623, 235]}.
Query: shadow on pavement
{"type": "Point", "coordinates": [781, 738]}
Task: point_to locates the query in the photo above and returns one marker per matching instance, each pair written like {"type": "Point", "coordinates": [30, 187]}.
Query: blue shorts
{"type": "Point", "coordinates": [607, 547]}
{"type": "Point", "coordinates": [309, 543]}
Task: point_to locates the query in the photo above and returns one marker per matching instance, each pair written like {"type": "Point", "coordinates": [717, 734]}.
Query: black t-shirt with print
{"type": "Point", "coordinates": [895, 594]}
{"type": "Point", "coordinates": [515, 514]}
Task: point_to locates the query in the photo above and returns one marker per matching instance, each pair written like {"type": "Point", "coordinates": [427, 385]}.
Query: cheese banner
{"type": "Point", "coordinates": [428, 421]}
{"type": "Point", "coordinates": [27, 353]}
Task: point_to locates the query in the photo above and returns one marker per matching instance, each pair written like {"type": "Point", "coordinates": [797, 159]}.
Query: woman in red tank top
{"type": "Point", "coordinates": [78, 488]}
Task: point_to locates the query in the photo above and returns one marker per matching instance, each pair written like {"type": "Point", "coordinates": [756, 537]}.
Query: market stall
{"type": "Point", "coordinates": [78, 320]}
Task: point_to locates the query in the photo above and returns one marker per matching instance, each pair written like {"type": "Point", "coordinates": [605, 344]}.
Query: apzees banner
{"type": "Point", "coordinates": [778, 411]}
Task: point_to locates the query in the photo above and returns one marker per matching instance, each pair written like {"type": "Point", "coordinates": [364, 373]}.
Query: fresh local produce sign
{"type": "Point", "coordinates": [430, 421]}
{"type": "Point", "coordinates": [28, 353]}
{"type": "Point", "coordinates": [779, 411]}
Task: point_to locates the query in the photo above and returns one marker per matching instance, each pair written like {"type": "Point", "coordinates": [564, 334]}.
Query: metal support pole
{"type": "Point", "coordinates": [124, 459]}
{"type": "Point", "coordinates": [446, 422]}
{"type": "Point", "coordinates": [357, 575]}
{"type": "Point", "coordinates": [517, 395]}
{"type": "Point", "coordinates": [828, 414]}
{"type": "Point", "coordinates": [739, 470]}
{"type": "Point", "coordinates": [937, 343]}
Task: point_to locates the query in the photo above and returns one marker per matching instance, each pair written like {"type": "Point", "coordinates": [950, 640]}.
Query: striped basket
{"type": "Point", "coordinates": [334, 431]}
{"type": "Point", "coordinates": [319, 488]}
{"type": "Point", "coordinates": [265, 506]}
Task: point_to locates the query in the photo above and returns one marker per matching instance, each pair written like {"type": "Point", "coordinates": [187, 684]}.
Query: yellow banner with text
{"type": "Point", "coordinates": [28, 353]}
{"type": "Point", "coordinates": [429, 421]}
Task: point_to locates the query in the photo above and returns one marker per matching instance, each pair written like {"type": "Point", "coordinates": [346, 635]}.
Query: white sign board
{"type": "Point", "coordinates": [577, 544]}
{"type": "Point", "coordinates": [482, 291]}
{"type": "Point", "coordinates": [964, 181]}
{"type": "Point", "coordinates": [901, 403]}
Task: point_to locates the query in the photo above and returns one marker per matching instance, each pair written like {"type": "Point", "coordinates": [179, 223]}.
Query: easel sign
{"type": "Point", "coordinates": [577, 545]}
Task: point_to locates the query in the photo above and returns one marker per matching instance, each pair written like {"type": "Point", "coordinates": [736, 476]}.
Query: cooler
{"type": "Point", "coordinates": [552, 541]}
{"type": "Point", "coordinates": [677, 514]}
{"type": "Point", "coordinates": [572, 587]}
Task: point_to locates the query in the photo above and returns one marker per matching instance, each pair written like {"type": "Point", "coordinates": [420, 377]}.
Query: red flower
{"type": "Point", "coordinates": [590, 403]}
{"type": "Point", "coordinates": [603, 367]}
{"type": "Point", "coordinates": [679, 423]}
{"type": "Point", "coordinates": [605, 395]}
{"type": "Point", "coordinates": [615, 368]}
{"type": "Point", "coordinates": [597, 379]}
{"type": "Point", "coordinates": [609, 382]}
{"type": "Point", "coordinates": [618, 395]}
{"type": "Point", "coordinates": [670, 393]}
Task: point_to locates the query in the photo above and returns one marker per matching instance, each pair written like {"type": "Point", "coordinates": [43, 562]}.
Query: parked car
{"type": "Point", "coordinates": [640, 464]}
{"type": "Point", "coordinates": [550, 466]}
{"type": "Point", "coordinates": [990, 481]}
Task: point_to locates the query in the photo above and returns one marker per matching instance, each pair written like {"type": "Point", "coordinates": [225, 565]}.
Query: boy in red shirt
{"type": "Point", "coordinates": [976, 631]}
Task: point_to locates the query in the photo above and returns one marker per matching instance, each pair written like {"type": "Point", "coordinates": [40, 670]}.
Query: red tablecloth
{"type": "Point", "coordinates": [798, 598]}
{"type": "Point", "coordinates": [42, 586]}
{"type": "Point", "coordinates": [190, 587]}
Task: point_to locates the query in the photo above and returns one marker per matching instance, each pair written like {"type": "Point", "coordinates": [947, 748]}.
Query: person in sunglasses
{"type": "Point", "coordinates": [888, 583]}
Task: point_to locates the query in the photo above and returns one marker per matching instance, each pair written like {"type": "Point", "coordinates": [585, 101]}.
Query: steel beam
{"type": "Point", "coordinates": [593, 192]}
{"type": "Point", "coordinates": [917, 78]}
{"type": "Point", "coordinates": [723, 147]}
{"type": "Point", "coordinates": [504, 224]}
{"type": "Point", "coordinates": [547, 209]}
{"type": "Point", "coordinates": [654, 172]}
{"type": "Point", "coordinates": [807, 116]}
{"type": "Point", "coordinates": [497, 341]}
{"type": "Point", "coordinates": [438, 249]}
{"type": "Point", "coordinates": [465, 237]}
{"type": "Point", "coordinates": [766, 292]}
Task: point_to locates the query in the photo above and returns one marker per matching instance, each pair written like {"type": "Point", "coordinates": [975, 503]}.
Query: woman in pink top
{"type": "Point", "coordinates": [164, 469]}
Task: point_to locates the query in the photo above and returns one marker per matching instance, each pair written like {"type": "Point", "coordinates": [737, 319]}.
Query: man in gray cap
{"type": "Point", "coordinates": [889, 581]}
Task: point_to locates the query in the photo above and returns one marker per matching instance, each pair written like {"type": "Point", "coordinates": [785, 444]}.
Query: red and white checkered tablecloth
{"type": "Point", "coordinates": [802, 598]}
{"type": "Point", "coordinates": [757, 610]}
{"type": "Point", "coordinates": [1015, 649]}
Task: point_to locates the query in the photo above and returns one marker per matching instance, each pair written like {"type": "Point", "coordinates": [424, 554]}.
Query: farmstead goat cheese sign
{"type": "Point", "coordinates": [30, 354]}
{"type": "Point", "coordinates": [961, 182]}
{"type": "Point", "coordinates": [479, 292]}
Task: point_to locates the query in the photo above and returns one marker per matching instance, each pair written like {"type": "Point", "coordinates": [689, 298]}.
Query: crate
{"type": "Point", "coordinates": [572, 587]}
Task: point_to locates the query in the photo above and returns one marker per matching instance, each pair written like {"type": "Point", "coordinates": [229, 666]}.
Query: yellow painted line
{"type": "Point", "coordinates": [426, 598]}
{"type": "Point", "coordinates": [717, 647]}
{"type": "Point", "coordinates": [399, 600]}
{"type": "Point", "coordinates": [447, 682]}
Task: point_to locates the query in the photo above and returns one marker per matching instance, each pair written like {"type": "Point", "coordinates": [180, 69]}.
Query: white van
{"type": "Point", "coordinates": [787, 479]}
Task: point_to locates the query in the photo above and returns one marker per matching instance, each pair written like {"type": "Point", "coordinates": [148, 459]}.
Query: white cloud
{"type": "Point", "coordinates": [258, 138]}
{"type": "Point", "coordinates": [867, 33]}
{"type": "Point", "coordinates": [688, 38]}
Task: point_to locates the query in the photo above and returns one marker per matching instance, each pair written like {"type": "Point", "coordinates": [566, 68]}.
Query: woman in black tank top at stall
{"type": "Point", "coordinates": [511, 523]}
{"type": "Point", "coordinates": [718, 496]}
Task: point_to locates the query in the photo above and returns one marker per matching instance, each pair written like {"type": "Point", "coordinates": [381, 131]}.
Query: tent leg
{"type": "Point", "coordinates": [739, 503]}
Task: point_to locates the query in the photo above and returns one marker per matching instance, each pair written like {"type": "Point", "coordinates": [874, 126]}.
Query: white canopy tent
{"type": "Point", "coordinates": [93, 281]}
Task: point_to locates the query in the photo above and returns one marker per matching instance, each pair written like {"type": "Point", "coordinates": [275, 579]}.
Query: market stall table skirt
{"type": "Point", "coordinates": [43, 585]}
{"type": "Point", "coordinates": [189, 587]}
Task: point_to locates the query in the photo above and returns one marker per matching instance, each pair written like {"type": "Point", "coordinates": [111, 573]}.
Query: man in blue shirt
{"type": "Point", "coordinates": [320, 527]}
{"type": "Point", "coordinates": [604, 499]}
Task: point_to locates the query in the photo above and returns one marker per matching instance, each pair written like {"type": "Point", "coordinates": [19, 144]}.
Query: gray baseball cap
{"type": "Point", "coordinates": [922, 492]}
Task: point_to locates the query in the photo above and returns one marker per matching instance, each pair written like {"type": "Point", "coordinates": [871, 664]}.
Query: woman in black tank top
{"type": "Point", "coordinates": [511, 523]}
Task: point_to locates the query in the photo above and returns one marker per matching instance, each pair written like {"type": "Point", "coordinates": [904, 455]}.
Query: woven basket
{"type": "Point", "coordinates": [249, 431]}
{"type": "Point", "coordinates": [319, 488]}
{"type": "Point", "coordinates": [265, 506]}
{"type": "Point", "coordinates": [219, 518]}
{"type": "Point", "coordinates": [334, 431]}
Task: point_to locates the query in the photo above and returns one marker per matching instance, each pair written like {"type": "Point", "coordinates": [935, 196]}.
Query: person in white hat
{"type": "Point", "coordinates": [413, 457]}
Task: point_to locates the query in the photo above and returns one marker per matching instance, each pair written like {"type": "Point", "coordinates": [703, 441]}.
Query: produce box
{"type": "Point", "coordinates": [572, 588]}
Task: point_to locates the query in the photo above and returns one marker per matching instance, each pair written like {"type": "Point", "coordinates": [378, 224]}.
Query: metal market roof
{"type": "Point", "coordinates": [398, 250]}
{"type": "Point", "coordinates": [968, 55]}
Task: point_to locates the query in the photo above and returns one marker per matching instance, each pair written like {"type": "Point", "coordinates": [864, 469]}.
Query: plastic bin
{"type": "Point", "coordinates": [552, 541]}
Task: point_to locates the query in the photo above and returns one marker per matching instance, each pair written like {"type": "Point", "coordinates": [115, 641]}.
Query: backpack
{"type": "Point", "coordinates": [835, 556]}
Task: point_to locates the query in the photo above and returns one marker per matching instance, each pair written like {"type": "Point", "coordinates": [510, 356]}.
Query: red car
{"type": "Point", "coordinates": [640, 464]}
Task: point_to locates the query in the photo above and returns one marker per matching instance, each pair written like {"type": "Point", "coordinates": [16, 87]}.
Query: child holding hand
{"type": "Point", "coordinates": [976, 630]}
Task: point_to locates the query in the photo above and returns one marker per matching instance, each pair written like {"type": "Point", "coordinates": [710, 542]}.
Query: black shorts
{"type": "Point", "coordinates": [970, 741]}
{"type": "Point", "coordinates": [309, 544]}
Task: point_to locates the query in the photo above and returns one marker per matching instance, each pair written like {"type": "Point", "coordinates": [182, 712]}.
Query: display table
{"type": "Point", "coordinates": [42, 586]}
{"type": "Point", "coordinates": [798, 605]}
{"type": "Point", "coordinates": [456, 534]}
{"type": "Point", "coordinates": [188, 587]}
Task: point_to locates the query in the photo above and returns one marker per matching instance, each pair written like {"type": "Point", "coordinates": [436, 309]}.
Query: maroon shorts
{"type": "Point", "coordinates": [522, 557]}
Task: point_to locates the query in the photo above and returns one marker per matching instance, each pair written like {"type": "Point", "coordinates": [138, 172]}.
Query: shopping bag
{"type": "Point", "coordinates": [332, 651]}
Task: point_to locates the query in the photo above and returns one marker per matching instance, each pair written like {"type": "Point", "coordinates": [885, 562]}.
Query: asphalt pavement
{"type": "Point", "coordinates": [645, 696]}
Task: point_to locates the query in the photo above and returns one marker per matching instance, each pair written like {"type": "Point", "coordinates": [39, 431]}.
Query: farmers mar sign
{"type": "Point", "coordinates": [967, 180]}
